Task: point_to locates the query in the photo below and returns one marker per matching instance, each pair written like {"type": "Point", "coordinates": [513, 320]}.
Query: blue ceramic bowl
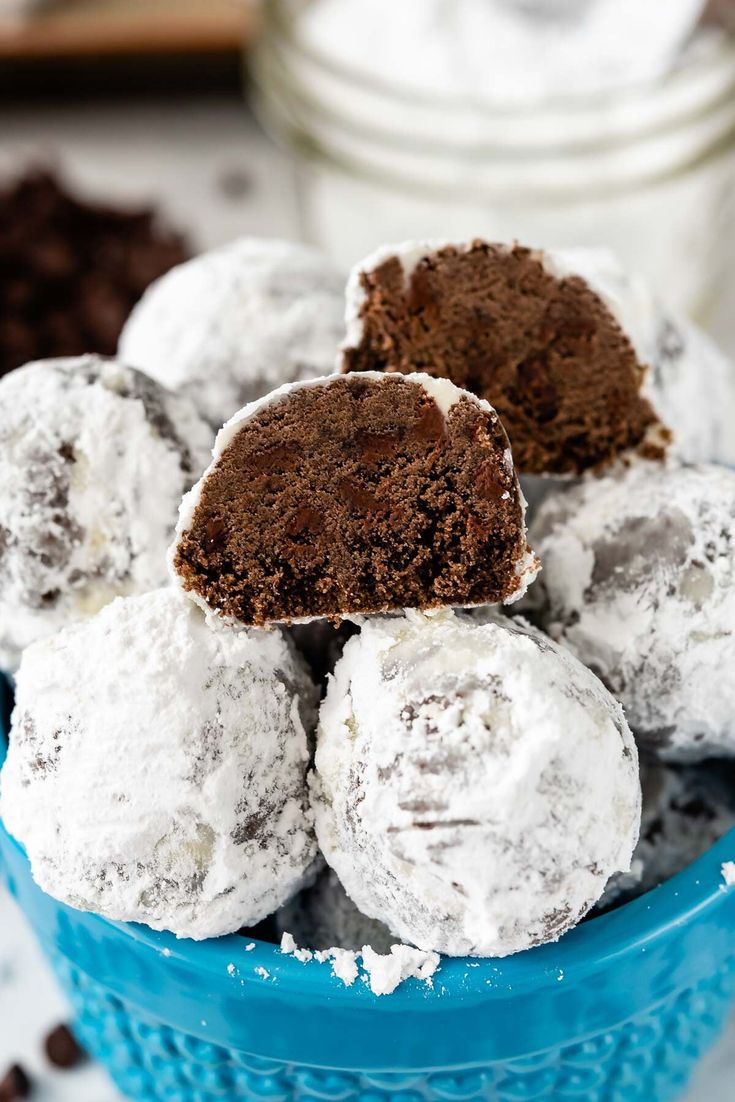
{"type": "Point", "coordinates": [620, 1010]}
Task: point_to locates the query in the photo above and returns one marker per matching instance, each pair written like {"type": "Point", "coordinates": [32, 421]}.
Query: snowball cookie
{"type": "Point", "coordinates": [94, 458]}
{"type": "Point", "coordinates": [581, 363]}
{"type": "Point", "coordinates": [475, 785]}
{"type": "Point", "coordinates": [693, 387]}
{"type": "Point", "coordinates": [232, 324]}
{"type": "Point", "coordinates": [354, 494]}
{"type": "Point", "coordinates": [156, 770]}
{"type": "Point", "coordinates": [639, 581]}
{"type": "Point", "coordinates": [324, 917]}
{"type": "Point", "coordinates": [685, 811]}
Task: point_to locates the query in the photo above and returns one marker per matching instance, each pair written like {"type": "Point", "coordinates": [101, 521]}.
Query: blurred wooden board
{"type": "Point", "coordinates": [94, 28]}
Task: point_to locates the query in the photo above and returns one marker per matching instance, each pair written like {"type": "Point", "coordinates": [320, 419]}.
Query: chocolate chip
{"type": "Point", "coordinates": [422, 291]}
{"type": "Point", "coordinates": [305, 520]}
{"type": "Point", "coordinates": [274, 460]}
{"type": "Point", "coordinates": [14, 1084]}
{"type": "Point", "coordinates": [377, 445]}
{"type": "Point", "coordinates": [62, 1048]}
{"type": "Point", "coordinates": [359, 497]}
{"type": "Point", "coordinates": [215, 534]}
{"type": "Point", "coordinates": [538, 389]}
{"type": "Point", "coordinates": [492, 481]}
{"type": "Point", "coordinates": [71, 271]}
{"type": "Point", "coordinates": [429, 427]}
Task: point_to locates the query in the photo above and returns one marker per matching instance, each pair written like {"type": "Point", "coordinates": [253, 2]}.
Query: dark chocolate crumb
{"type": "Point", "coordinates": [71, 270]}
{"type": "Point", "coordinates": [62, 1048]}
{"type": "Point", "coordinates": [15, 1084]}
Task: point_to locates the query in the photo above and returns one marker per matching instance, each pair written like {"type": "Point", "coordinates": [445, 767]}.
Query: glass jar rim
{"type": "Point", "coordinates": [277, 115]}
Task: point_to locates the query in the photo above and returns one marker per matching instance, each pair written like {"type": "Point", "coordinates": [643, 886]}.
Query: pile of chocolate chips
{"type": "Point", "coordinates": [71, 270]}
{"type": "Point", "coordinates": [62, 1050]}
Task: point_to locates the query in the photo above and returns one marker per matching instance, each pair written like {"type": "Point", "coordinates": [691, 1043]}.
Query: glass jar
{"type": "Point", "coordinates": [647, 171]}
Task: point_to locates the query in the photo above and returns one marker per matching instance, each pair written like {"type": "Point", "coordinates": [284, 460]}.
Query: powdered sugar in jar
{"type": "Point", "coordinates": [406, 124]}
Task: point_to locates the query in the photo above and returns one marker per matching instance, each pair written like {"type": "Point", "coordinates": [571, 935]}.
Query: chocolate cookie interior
{"type": "Point", "coordinates": [356, 496]}
{"type": "Point", "coordinates": [546, 352]}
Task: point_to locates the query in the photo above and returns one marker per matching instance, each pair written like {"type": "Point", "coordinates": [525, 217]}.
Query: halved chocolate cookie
{"type": "Point", "coordinates": [523, 330]}
{"type": "Point", "coordinates": [351, 494]}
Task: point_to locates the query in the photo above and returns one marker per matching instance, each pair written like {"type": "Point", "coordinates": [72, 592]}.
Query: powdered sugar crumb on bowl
{"type": "Point", "coordinates": [289, 946]}
{"type": "Point", "coordinates": [344, 964]}
{"type": "Point", "coordinates": [403, 962]}
{"type": "Point", "coordinates": [728, 873]}
{"type": "Point", "coordinates": [382, 972]}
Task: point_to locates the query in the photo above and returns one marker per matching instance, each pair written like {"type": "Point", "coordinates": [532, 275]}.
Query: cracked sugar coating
{"type": "Point", "coordinates": [156, 770]}
{"type": "Point", "coordinates": [94, 458]}
{"type": "Point", "coordinates": [520, 330]}
{"type": "Point", "coordinates": [685, 811]}
{"type": "Point", "coordinates": [475, 786]}
{"type": "Point", "coordinates": [232, 324]}
{"type": "Point", "coordinates": [355, 494]}
{"type": "Point", "coordinates": [639, 582]}
{"type": "Point", "coordinates": [324, 917]}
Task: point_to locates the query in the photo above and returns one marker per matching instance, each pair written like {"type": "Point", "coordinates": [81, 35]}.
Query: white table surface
{"type": "Point", "coordinates": [177, 155]}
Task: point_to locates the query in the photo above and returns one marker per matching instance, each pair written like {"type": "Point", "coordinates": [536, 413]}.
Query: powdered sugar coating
{"type": "Point", "coordinates": [156, 770]}
{"type": "Point", "coordinates": [230, 325]}
{"type": "Point", "coordinates": [94, 458]}
{"type": "Point", "coordinates": [639, 582]}
{"type": "Point", "coordinates": [475, 786]}
{"type": "Point", "coordinates": [676, 355]}
{"type": "Point", "coordinates": [690, 382]}
{"type": "Point", "coordinates": [324, 917]}
{"type": "Point", "coordinates": [692, 387]}
{"type": "Point", "coordinates": [685, 811]}
{"type": "Point", "coordinates": [443, 392]}
{"type": "Point", "coordinates": [510, 53]}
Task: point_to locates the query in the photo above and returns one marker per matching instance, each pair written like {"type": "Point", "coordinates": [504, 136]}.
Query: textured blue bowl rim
{"type": "Point", "coordinates": [593, 946]}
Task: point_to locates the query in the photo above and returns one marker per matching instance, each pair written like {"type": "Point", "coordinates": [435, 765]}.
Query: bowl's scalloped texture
{"type": "Point", "coordinates": [619, 1011]}
{"type": "Point", "coordinates": [648, 1058]}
